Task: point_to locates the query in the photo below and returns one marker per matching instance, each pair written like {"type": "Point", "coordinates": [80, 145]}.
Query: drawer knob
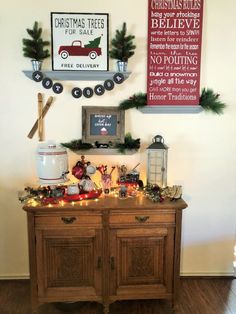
{"type": "Point", "coordinates": [68, 220]}
{"type": "Point", "coordinates": [142, 218]}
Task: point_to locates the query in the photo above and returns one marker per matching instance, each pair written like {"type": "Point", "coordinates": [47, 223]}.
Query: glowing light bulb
{"type": "Point", "coordinates": [34, 203]}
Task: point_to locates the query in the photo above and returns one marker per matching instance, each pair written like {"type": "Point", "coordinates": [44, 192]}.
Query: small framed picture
{"type": "Point", "coordinates": [79, 41]}
{"type": "Point", "coordinates": [102, 124]}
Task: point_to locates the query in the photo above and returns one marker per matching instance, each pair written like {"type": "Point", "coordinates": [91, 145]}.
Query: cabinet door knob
{"type": "Point", "coordinates": [68, 220]}
{"type": "Point", "coordinates": [142, 218]}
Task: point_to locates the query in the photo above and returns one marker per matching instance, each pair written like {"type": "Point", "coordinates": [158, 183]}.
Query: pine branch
{"type": "Point", "coordinates": [210, 101]}
{"type": "Point", "coordinates": [129, 143]}
{"type": "Point", "coordinates": [77, 145]}
{"type": "Point", "coordinates": [135, 101]}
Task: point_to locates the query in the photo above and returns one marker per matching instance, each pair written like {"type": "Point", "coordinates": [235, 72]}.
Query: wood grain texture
{"type": "Point", "coordinates": [140, 203]}
{"type": "Point", "coordinates": [40, 117]}
{"type": "Point", "coordinates": [44, 112]}
{"type": "Point", "coordinates": [196, 296]}
{"type": "Point", "coordinates": [110, 251]}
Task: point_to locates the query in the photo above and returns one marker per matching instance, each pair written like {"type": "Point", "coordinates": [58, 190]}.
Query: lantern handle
{"type": "Point", "coordinates": [158, 138]}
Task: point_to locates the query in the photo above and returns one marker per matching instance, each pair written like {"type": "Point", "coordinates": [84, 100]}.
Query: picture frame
{"type": "Point", "coordinates": [79, 41]}
{"type": "Point", "coordinates": [102, 124]}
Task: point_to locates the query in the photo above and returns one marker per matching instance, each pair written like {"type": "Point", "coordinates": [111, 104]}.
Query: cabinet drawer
{"type": "Point", "coordinates": [141, 218]}
{"type": "Point", "coordinates": [67, 220]}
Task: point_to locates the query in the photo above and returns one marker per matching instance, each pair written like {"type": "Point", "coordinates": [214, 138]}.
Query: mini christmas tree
{"type": "Point", "coordinates": [34, 48]}
{"type": "Point", "coordinates": [122, 45]}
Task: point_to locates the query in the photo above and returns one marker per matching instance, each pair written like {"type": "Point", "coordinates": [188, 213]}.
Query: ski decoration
{"type": "Point", "coordinates": [87, 92]}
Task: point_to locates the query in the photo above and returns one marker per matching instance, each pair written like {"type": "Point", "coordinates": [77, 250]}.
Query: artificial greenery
{"type": "Point", "coordinates": [122, 45]}
{"type": "Point", "coordinates": [135, 101]}
{"type": "Point", "coordinates": [34, 48]}
{"type": "Point", "coordinates": [77, 145]}
{"type": "Point", "coordinates": [153, 192]}
{"type": "Point", "coordinates": [129, 143]}
{"type": "Point", "coordinates": [210, 101]}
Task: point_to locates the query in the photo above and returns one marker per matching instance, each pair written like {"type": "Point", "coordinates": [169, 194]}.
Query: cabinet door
{"type": "Point", "coordinates": [69, 264]}
{"type": "Point", "coordinates": [141, 262]}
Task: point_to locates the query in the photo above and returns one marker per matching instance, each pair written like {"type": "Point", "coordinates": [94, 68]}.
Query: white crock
{"type": "Point", "coordinates": [52, 163]}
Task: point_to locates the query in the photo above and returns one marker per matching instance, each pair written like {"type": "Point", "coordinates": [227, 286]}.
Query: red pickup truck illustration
{"type": "Point", "coordinates": [76, 49]}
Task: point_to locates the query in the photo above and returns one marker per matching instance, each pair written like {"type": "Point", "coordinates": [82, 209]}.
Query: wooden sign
{"type": "Point", "coordinates": [102, 124]}
{"type": "Point", "coordinates": [79, 41]}
{"type": "Point", "coordinates": [174, 52]}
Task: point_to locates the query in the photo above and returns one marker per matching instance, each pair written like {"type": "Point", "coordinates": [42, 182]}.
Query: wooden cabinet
{"type": "Point", "coordinates": [142, 260]}
{"type": "Point", "coordinates": [104, 251]}
{"type": "Point", "coordinates": [68, 259]}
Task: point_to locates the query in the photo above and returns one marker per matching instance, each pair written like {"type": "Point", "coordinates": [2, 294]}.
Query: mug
{"type": "Point", "coordinates": [91, 169]}
{"type": "Point", "coordinates": [72, 189]}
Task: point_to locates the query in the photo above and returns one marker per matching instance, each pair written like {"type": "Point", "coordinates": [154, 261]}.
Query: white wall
{"type": "Point", "coordinates": [202, 146]}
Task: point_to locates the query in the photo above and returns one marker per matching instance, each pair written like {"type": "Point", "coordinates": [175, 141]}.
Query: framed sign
{"type": "Point", "coordinates": [79, 41]}
{"type": "Point", "coordinates": [174, 52]}
{"type": "Point", "coordinates": [102, 124]}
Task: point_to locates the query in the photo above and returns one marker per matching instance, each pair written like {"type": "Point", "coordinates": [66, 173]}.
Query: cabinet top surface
{"type": "Point", "coordinates": [110, 202]}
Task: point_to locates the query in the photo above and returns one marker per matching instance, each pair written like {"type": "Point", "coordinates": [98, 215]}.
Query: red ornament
{"type": "Point", "coordinates": [78, 171]}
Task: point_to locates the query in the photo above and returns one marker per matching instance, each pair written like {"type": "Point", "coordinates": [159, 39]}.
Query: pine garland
{"type": "Point", "coordinates": [129, 143]}
{"type": "Point", "coordinates": [135, 101]}
{"type": "Point", "coordinates": [122, 45]}
{"type": "Point", "coordinates": [209, 101]}
{"type": "Point", "coordinates": [34, 48]}
{"type": "Point", "coordinates": [77, 145]}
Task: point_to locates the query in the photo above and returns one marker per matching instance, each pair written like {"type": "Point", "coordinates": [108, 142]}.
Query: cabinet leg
{"type": "Point", "coordinates": [106, 308]}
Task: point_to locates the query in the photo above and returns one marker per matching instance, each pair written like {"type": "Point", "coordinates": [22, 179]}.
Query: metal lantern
{"type": "Point", "coordinates": [157, 162]}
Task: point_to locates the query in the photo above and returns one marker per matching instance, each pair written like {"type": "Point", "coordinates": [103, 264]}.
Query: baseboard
{"type": "Point", "coordinates": [207, 274]}
{"type": "Point", "coordinates": [182, 274]}
{"type": "Point", "coordinates": [14, 277]}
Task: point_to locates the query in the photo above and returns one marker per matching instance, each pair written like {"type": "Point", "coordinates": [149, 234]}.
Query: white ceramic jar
{"type": "Point", "coordinates": [52, 163]}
